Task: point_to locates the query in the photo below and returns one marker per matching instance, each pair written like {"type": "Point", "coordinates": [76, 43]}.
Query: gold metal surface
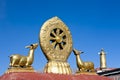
{"type": "Point", "coordinates": [17, 60]}
{"type": "Point", "coordinates": [19, 69]}
{"type": "Point", "coordinates": [56, 44]}
{"type": "Point", "coordinates": [83, 66]}
{"type": "Point", "coordinates": [103, 59]}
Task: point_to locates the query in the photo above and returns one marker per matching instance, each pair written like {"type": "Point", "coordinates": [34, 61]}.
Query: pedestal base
{"type": "Point", "coordinates": [58, 67]}
{"type": "Point", "coordinates": [20, 69]}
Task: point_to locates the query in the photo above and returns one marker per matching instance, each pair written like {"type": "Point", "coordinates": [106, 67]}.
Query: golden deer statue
{"type": "Point", "coordinates": [83, 66]}
{"type": "Point", "coordinates": [17, 60]}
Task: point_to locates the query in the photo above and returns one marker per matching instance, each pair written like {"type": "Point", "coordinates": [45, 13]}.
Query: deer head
{"type": "Point", "coordinates": [32, 46]}
{"type": "Point", "coordinates": [76, 52]}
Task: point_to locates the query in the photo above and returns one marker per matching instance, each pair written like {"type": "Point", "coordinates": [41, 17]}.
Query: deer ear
{"type": "Point", "coordinates": [36, 43]}
{"type": "Point", "coordinates": [27, 46]}
{"type": "Point", "coordinates": [82, 52]}
{"type": "Point", "coordinates": [74, 49]}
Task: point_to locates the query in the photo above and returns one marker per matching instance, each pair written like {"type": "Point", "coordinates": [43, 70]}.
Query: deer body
{"type": "Point", "coordinates": [83, 66]}
{"type": "Point", "coordinates": [17, 60]}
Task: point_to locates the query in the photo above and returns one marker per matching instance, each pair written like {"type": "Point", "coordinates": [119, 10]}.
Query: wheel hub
{"type": "Point", "coordinates": [58, 39]}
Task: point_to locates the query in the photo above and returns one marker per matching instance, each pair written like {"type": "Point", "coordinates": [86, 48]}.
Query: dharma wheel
{"type": "Point", "coordinates": [56, 43]}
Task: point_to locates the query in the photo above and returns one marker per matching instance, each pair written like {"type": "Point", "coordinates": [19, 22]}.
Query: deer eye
{"type": "Point", "coordinates": [31, 45]}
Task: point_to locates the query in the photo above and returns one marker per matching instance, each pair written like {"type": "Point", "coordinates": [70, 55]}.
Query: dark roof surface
{"type": "Point", "coordinates": [110, 72]}
{"type": "Point", "coordinates": [46, 76]}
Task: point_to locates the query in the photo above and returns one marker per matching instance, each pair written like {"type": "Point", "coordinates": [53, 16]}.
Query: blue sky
{"type": "Point", "coordinates": [94, 24]}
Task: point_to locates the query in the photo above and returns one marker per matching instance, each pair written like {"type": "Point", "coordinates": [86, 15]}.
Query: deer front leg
{"type": "Point", "coordinates": [27, 65]}
{"type": "Point", "coordinates": [82, 70]}
{"type": "Point", "coordinates": [13, 63]}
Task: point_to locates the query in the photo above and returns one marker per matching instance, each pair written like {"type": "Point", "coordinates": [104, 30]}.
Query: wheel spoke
{"type": "Point", "coordinates": [51, 38]}
{"type": "Point", "coordinates": [58, 31]}
{"type": "Point", "coordinates": [57, 47]}
{"type": "Point", "coordinates": [53, 44]}
{"type": "Point", "coordinates": [62, 34]}
{"type": "Point", "coordinates": [64, 40]}
{"type": "Point", "coordinates": [53, 33]}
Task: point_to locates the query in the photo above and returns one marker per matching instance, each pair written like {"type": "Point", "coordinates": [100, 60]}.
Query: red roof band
{"type": "Point", "coordinates": [49, 76]}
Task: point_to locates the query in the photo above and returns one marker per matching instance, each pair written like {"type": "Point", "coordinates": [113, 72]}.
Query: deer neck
{"type": "Point", "coordinates": [31, 54]}
{"type": "Point", "coordinates": [78, 59]}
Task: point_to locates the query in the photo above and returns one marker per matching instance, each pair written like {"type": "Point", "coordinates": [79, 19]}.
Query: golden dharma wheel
{"type": "Point", "coordinates": [55, 40]}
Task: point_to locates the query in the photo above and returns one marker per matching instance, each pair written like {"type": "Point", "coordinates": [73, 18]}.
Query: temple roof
{"type": "Point", "coordinates": [48, 76]}
{"type": "Point", "coordinates": [110, 72]}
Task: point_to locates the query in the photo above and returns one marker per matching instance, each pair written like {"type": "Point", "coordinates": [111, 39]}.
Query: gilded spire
{"type": "Point", "coordinates": [103, 59]}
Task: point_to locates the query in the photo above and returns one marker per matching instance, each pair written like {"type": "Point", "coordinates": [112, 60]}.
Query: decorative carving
{"type": "Point", "coordinates": [83, 66]}
{"type": "Point", "coordinates": [17, 60]}
{"type": "Point", "coordinates": [56, 44]}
